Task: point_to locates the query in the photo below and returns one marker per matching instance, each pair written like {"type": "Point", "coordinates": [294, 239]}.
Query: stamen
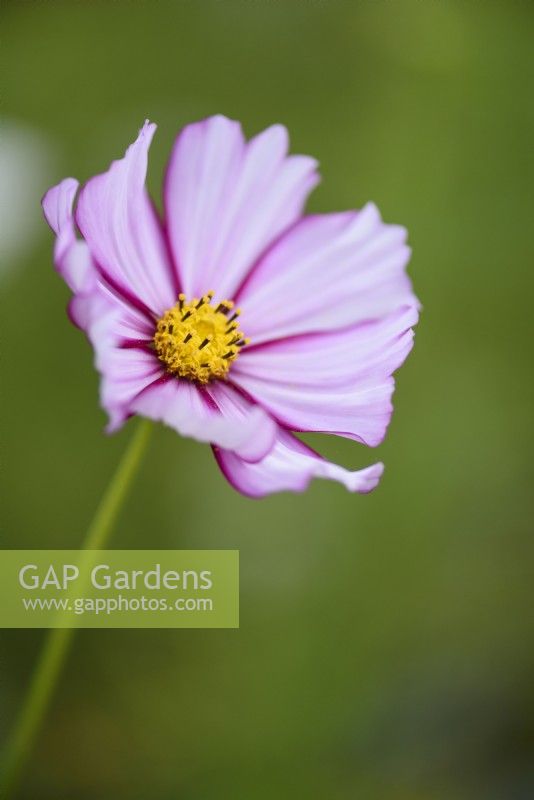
{"type": "Point", "coordinates": [196, 341]}
{"type": "Point", "coordinates": [225, 306]}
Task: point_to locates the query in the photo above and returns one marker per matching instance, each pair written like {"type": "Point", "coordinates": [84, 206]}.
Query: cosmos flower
{"type": "Point", "coordinates": [237, 320]}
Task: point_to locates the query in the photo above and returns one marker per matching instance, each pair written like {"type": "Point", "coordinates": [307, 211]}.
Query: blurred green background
{"type": "Point", "coordinates": [386, 645]}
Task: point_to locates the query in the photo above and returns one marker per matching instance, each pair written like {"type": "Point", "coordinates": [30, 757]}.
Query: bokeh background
{"type": "Point", "coordinates": [386, 645]}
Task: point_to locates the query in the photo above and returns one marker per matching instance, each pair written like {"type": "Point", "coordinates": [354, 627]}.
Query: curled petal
{"type": "Point", "coordinates": [218, 415]}
{"type": "Point", "coordinates": [72, 256]}
{"type": "Point", "coordinates": [119, 223]}
{"type": "Point", "coordinates": [226, 200]}
{"type": "Point", "coordinates": [124, 370]}
{"type": "Point", "coordinates": [290, 466]}
{"type": "Point", "coordinates": [93, 308]}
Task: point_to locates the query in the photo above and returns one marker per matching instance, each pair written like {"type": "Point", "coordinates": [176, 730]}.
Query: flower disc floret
{"type": "Point", "coordinates": [199, 341]}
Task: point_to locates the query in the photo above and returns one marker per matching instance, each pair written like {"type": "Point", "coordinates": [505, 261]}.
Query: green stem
{"type": "Point", "coordinates": [54, 653]}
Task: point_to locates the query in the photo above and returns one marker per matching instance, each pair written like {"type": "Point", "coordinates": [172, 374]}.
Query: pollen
{"type": "Point", "coordinates": [198, 340]}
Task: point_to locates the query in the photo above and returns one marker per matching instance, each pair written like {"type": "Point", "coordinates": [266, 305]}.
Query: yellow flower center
{"type": "Point", "coordinates": [198, 341]}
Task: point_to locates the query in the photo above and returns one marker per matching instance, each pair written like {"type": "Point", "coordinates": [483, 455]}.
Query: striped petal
{"type": "Point", "coordinates": [290, 466]}
{"type": "Point", "coordinates": [227, 199]}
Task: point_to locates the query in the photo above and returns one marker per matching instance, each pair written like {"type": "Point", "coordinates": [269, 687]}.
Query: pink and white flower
{"type": "Point", "coordinates": [326, 308]}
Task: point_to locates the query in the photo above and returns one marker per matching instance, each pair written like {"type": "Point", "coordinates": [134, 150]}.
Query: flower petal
{"type": "Point", "coordinates": [290, 466]}
{"type": "Point", "coordinates": [333, 359]}
{"type": "Point", "coordinates": [106, 320]}
{"type": "Point", "coordinates": [125, 364]}
{"type": "Point", "coordinates": [216, 414]}
{"type": "Point", "coordinates": [119, 223]}
{"type": "Point", "coordinates": [337, 382]}
{"type": "Point", "coordinates": [327, 272]}
{"type": "Point", "coordinates": [226, 200]}
{"type": "Point", "coordinates": [72, 256]}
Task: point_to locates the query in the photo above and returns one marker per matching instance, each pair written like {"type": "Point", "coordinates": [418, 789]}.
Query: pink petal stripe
{"type": "Point", "coordinates": [334, 359]}
{"type": "Point", "coordinates": [327, 272]}
{"type": "Point", "coordinates": [219, 415]}
{"type": "Point", "coordinates": [97, 311]}
{"type": "Point", "coordinates": [119, 224]}
{"type": "Point", "coordinates": [226, 200]}
{"type": "Point", "coordinates": [124, 371]}
{"type": "Point", "coordinates": [361, 413]}
{"type": "Point", "coordinates": [290, 466]}
{"type": "Point", "coordinates": [334, 383]}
